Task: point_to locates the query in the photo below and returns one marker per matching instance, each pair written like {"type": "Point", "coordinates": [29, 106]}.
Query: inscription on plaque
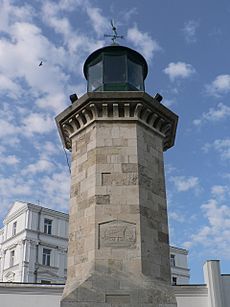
{"type": "Point", "coordinates": [117, 234]}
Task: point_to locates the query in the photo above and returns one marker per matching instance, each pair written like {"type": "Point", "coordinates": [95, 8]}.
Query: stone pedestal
{"type": "Point", "coordinates": [118, 237]}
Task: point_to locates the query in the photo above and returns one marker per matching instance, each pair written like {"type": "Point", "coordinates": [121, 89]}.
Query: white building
{"type": "Point", "coordinates": [33, 247]}
{"type": "Point", "coordinates": [179, 266]}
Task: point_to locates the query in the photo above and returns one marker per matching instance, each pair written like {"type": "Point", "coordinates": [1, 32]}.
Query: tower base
{"type": "Point", "coordinates": [116, 290]}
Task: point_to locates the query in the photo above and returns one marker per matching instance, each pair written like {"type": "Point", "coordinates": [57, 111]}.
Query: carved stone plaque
{"type": "Point", "coordinates": [117, 234]}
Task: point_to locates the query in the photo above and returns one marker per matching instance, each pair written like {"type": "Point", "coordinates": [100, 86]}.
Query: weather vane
{"type": "Point", "coordinates": [115, 36]}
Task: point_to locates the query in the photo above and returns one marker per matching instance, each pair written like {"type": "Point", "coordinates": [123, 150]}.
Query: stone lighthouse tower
{"type": "Point", "coordinates": [118, 251]}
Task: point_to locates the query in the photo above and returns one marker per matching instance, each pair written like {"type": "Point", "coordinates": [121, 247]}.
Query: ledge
{"type": "Point", "coordinates": [29, 288]}
{"type": "Point", "coordinates": [190, 290]}
{"type": "Point", "coordinates": [117, 106]}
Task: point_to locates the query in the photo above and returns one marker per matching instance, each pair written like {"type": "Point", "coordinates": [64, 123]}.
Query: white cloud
{"type": "Point", "coordinates": [179, 70]}
{"type": "Point", "coordinates": [7, 129]}
{"type": "Point", "coordinates": [189, 30]}
{"type": "Point", "coordinates": [56, 188]}
{"type": "Point", "coordinates": [178, 217]}
{"type": "Point", "coordinates": [10, 13]}
{"type": "Point", "coordinates": [99, 22]}
{"type": "Point", "coordinates": [222, 146]}
{"type": "Point", "coordinates": [39, 166]}
{"type": "Point", "coordinates": [19, 61]}
{"type": "Point", "coordinates": [127, 15]}
{"type": "Point", "coordinates": [15, 186]}
{"type": "Point", "coordinates": [25, 45]}
{"type": "Point", "coordinates": [220, 112]}
{"type": "Point", "coordinates": [9, 87]}
{"type": "Point", "coordinates": [215, 235]}
{"type": "Point", "coordinates": [52, 190]}
{"type": "Point", "coordinates": [8, 160]}
{"type": "Point", "coordinates": [70, 5]}
{"type": "Point", "coordinates": [184, 184]}
{"type": "Point", "coordinates": [47, 149]}
{"type": "Point", "coordinates": [169, 169]}
{"type": "Point", "coordinates": [220, 191]}
{"type": "Point", "coordinates": [213, 115]}
{"type": "Point", "coordinates": [59, 23]}
{"type": "Point", "coordinates": [20, 53]}
{"type": "Point", "coordinates": [143, 41]}
{"type": "Point", "coordinates": [78, 44]}
{"type": "Point", "coordinates": [37, 123]}
{"type": "Point", "coordinates": [220, 86]}
{"type": "Point", "coordinates": [52, 101]}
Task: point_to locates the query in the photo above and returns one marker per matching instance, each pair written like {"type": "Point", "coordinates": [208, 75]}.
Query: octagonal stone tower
{"type": "Point", "coordinates": [118, 251]}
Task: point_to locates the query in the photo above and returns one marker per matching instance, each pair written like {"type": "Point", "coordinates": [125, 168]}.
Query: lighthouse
{"type": "Point", "coordinates": [118, 253]}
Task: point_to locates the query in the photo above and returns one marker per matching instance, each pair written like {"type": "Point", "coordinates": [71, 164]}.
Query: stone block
{"type": "Point", "coordinates": [114, 265]}
{"type": "Point", "coordinates": [101, 158]}
{"type": "Point", "coordinates": [75, 189]}
{"type": "Point", "coordinates": [90, 295]}
{"type": "Point", "coordinates": [132, 143]}
{"type": "Point", "coordinates": [119, 179]}
{"type": "Point", "coordinates": [163, 237]}
{"type": "Point", "coordinates": [115, 132]}
{"type": "Point", "coordinates": [116, 298]}
{"type": "Point", "coordinates": [117, 234]}
{"type": "Point", "coordinates": [129, 167]}
{"type": "Point", "coordinates": [120, 142]}
{"type": "Point", "coordinates": [102, 199]}
{"type": "Point", "coordinates": [132, 158]}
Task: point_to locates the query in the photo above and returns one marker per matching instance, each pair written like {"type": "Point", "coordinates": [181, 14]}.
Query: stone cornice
{"type": "Point", "coordinates": [190, 290]}
{"type": "Point", "coordinates": [178, 250]}
{"type": "Point", "coordinates": [180, 268]}
{"type": "Point", "coordinates": [117, 106]}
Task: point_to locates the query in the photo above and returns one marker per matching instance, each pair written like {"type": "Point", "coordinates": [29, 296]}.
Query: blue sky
{"type": "Point", "coordinates": [187, 47]}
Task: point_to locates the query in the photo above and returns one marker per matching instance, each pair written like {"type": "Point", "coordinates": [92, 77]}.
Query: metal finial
{"type": "Point", "coordinates": [115, 36]}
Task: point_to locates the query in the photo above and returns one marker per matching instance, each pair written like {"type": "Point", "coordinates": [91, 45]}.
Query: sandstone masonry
{"type": "Point", "coordinates": [118, 239]}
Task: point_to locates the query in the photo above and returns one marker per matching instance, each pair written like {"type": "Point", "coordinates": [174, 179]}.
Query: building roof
{"type": "Point", "coordinates": [19, 206]}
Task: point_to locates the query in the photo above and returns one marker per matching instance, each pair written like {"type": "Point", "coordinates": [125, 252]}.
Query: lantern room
{"type": "Point", "coordinates": [115, 68]}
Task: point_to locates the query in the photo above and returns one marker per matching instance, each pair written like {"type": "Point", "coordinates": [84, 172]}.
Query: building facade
{"type": "Point", "coordinates": [33, 247]}
{"type": "Point", "coordinates": [180, 274]}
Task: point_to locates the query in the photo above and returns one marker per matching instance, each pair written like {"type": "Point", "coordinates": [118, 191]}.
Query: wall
{"type": "Point", "coordinates": [22, 295]}
{"type": "Point", "coordinates": [30, 295]}
{"type": "Point", "coordinates": [226, 288]}
{"type": "Point", "coordinates": [191, 296]}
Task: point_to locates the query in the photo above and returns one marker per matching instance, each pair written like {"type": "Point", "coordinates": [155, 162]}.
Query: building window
{"type": "Point", "coordinates": [172, 260]}
{"type": "Point", "coordinates": [174, 281]}
{"type": "Point", "coordinates": [46, 282]}
{"type": "Point", "coordinates": [47, 226]}
{"type": "Point", "coordinates": [12, 256]}
{"type": "Point", "coordinates": [14, 229]}
{"type": "Point", "coordinates": [46, 256]}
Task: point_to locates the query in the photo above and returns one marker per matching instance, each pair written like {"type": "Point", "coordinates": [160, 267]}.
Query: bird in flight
{"type": "Point", "coordinates": [41, 63]}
